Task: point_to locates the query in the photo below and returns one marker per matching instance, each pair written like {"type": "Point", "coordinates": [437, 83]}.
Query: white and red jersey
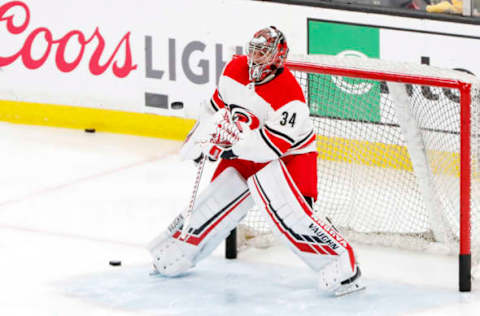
{"type": "Point", "coordinates": [274, 110]}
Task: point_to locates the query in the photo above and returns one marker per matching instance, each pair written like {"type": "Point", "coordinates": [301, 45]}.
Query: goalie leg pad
{"type": "Point", "coordinates": [313, 239]}
{"type": "Point", "coordinates": [219, 209]}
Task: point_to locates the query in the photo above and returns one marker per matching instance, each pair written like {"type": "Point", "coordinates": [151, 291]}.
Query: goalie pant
{"type": "Point", "coordinates": [226, 201]}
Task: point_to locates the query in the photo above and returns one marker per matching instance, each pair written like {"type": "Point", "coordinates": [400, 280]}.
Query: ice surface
{"type": "Point", "coordinates": [220, 287]}
{"type": "Point", "coordinates": [71, 201]}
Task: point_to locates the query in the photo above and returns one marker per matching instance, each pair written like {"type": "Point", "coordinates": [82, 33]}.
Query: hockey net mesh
{"type": "Point", "coordinates": [367, 183]}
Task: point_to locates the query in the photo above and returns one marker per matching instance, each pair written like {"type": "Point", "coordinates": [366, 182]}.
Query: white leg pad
{"type": "Point", "coordinates": [170, 257]}
{"type": "Point", "coordinates": [313, 239]}
{"type": "Point", "coordinates": [219, 209]}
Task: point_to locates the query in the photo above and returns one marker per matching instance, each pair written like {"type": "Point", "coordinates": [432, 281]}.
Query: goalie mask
{"type": "Point", "coordinates": [267, 52]}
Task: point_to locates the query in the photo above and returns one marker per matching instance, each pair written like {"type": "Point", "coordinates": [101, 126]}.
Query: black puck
{"type": "Point", "coordinates": [89, 130]}
{"type": "Point", "coordinates": [177, 105]}
{"type": "Point", "coordinates": [115, 263]}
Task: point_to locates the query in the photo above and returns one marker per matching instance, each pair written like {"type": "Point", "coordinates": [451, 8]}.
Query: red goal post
{"type": "Point", "coordinates": [443, 163]}
{"type": "Point", "coordinates": [465, 151]}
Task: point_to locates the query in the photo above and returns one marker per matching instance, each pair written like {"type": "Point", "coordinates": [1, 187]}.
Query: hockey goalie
{"type": "Point", "coordinates": [257, 124]}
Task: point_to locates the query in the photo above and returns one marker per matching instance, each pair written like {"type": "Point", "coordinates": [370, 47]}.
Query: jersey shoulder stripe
{"type": "Point", "coordinates": [237, 69]}
{"type": "Point", "coordinates": [281, 90]}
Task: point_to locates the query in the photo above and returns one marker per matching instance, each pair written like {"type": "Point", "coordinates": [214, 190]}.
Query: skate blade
{"type": "Point", "coordinates": [349, 289]}
{"type": "Point", "coordinates": [154, 272]}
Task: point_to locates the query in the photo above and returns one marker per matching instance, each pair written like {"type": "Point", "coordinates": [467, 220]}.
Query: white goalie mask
{"type": "Point", "coordinates": [267, 52]}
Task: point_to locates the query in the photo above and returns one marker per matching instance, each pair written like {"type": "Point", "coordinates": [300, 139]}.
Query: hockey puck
{"type": "Point", "coordinates": [115, 263]}
{"type": "Point", "coordinates": [177, 105]}
{"type": "Point", "coordinates": [89, 130]}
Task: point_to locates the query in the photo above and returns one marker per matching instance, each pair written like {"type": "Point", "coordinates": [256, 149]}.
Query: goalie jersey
{"type": "Point", "coordinates": [274, 110]}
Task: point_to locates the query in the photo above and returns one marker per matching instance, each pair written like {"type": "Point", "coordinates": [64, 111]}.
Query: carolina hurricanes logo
{"type": "Point", "coordinates": [244, 116]}
{"type": "Point", "coordinates": [25, 52]}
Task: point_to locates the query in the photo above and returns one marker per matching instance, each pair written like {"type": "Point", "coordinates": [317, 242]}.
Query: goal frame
{"type": "Point", "coordinates": [464, 88]}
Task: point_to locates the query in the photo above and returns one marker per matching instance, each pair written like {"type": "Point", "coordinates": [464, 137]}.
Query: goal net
{"type": "Point", "coordinates": [398, 154]}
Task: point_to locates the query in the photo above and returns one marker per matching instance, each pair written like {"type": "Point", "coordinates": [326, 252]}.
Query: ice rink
{"type": "Point", "coordinates": [72, 201]}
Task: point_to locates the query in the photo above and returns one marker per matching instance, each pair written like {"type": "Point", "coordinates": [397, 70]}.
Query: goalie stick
{"type": "Point", "coordinates": [188, 213]}
{"type": "Point", "coordinates": [218, 139]}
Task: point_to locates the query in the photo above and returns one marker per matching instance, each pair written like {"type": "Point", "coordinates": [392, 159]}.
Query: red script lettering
{"type": "Point", "coordinates": [25, 52]}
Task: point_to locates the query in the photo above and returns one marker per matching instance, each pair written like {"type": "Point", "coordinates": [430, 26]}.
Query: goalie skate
{"type": "Point", "coordinates": [330, 278]}
{"type": "Point", "coordinates": [350, 285]}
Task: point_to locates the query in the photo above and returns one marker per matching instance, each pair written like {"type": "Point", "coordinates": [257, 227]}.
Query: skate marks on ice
{"type": "Point", "coordinates": [220, 287]}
